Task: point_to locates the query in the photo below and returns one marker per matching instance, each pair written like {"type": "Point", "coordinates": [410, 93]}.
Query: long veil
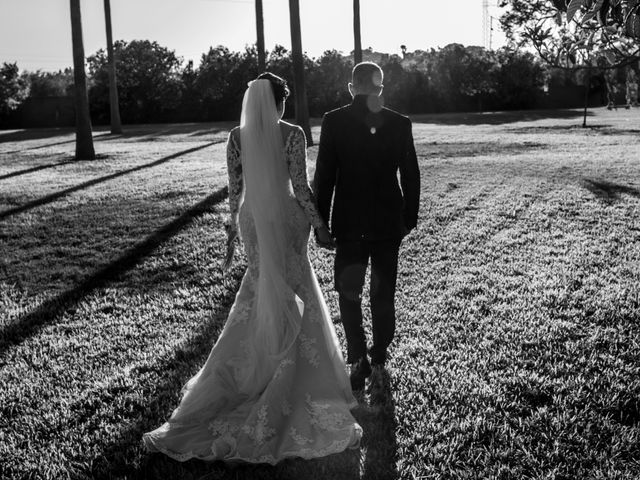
{"type": "Point", "coordinates": [277, 311]}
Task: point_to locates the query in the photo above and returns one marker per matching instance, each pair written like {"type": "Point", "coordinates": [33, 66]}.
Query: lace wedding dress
{"type": "Point", "coordinates": [239, 407]}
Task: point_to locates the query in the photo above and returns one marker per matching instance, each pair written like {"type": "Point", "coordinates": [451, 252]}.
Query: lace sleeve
{"type": "Point", "coordinates": [296, 153]}
{"type": "Point", "coordinates": [234, 169]}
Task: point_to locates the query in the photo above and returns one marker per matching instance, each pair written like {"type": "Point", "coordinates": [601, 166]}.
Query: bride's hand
{"type": "Point", "coordinates": [324, 238]}
{"type": "Point", "coordinates": [232, 235]}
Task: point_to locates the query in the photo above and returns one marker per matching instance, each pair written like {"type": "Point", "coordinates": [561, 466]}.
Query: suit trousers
{"type": "Point", "coordinates": [352, 258]}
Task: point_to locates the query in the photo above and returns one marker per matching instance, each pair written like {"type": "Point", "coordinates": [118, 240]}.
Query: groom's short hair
{"type": "Point", "coordinates": [367, 76]}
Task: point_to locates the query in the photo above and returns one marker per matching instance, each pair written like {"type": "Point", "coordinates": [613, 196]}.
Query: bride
{"type": "Point", "coordinates": [274, 385]}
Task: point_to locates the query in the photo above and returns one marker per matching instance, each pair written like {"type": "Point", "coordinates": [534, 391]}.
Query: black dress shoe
{"type": "Point", "coordinates": [360, 370]}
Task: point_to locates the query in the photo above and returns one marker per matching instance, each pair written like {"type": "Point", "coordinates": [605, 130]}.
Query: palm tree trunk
{"type": "Point", "coordinates": [300, 91]}
{"type": "Point", "coordinates": [260, 31]}
{"type": "Point", "coordinates": [357, 51]}
{"type": "Point", "coordinates": [116, 124]}
{"type": "Point", "coordinates": [84, 137]}
{"type": "Point", "coordinates": [587, 82]}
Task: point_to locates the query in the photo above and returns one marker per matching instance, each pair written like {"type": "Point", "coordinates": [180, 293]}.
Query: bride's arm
{"type": "Point", "coordinates": [234, 169]}
{"type": "Point", "coordinates": [296, 153]}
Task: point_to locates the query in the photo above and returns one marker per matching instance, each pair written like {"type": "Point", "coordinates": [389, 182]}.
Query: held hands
{"type": "Point", "coordinates": [324, 238]}
{"type": "Point", "coordinates": [232, 235]}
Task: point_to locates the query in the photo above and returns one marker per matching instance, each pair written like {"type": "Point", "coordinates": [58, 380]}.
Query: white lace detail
{"type": "Point", "coordinates": [224, 433]}
{"type": "Point", "coordinates": [322, 418]}
{"type": "Point", "coordinates": [243, 346]}
{"type": "Point", "coordinates": [286, 408]}
{"type": "Point", "coordinates": [295, 270]}
{"type": "Point", "coordinates": [315, 315]}
{"type": "Point", "coordinates": [308, 351]}
{"type": "Point", "coordinates": [296, 154]}
{"type": "Point", "coordinates": [261, 431]}
{"type": "Point", "coordinates": [239, 314]}
{"type": "Point", "coordinates": [217, 420]}
{"type": "Point", "coordinates": [298, 438]}
{"type": "Point", "coordinates": [281, 367]}
{"type": "Point", "coordinates": [239, 363]}
{"type": "Point", "coordinates": [154, 445]}
{"type": "Point", "coordinates": [335, 446]}
{"type": "Point", "coordinates": [234, 170]}
{"type": "Point", "coordinates": [219, 428]}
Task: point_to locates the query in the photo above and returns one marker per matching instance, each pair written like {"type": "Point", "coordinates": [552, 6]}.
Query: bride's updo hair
{"type": "Point", "coordinates": [278, 85]}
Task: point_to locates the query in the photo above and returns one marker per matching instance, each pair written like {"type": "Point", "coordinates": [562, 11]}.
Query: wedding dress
{"type": "Point", "coordinates": [274, 385]}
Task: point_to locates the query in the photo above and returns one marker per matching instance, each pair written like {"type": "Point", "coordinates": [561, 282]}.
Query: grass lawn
{"type": "Point", "coordinates": [517, 353]}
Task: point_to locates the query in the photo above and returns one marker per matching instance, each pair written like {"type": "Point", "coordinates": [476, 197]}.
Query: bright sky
{"type": "Point", "coordinates": [37, 33]}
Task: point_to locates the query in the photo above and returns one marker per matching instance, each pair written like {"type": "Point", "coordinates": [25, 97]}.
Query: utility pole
{"type": "Point", "coordinates": [491, 19]}
{"type": "Point", "coordinates": [486, 24]}
{"type": "Point", "coordinates": [262, 61]}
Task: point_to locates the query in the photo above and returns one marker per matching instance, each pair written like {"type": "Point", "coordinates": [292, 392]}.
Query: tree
{"type": "Point", "coordinates": [302, 109]}
{"type": "Point", "coordinates": [582, 36]}
{"type": "Point", "coordinates": [357, 51]}
{"type": "Point", "coordinates": [260, 32]}
{"type": "Point", "coordinates": [624, 15]}
{"type": "Point", "coordinates": [116, 124]}
{"type": "Point", "coordinates": [149, 81]}
{"type": "Point", "coordinates": [84, 136]}
{"type": "Point", "coordinates": [480, 69]}
{"type": "Point", "coordinates": [221, 80]}
{"type": "Point", "coordinates": [279, 62]}
{"type": "Point", "coordinates": [519, 78]}
{"type": "Point", "coordinates": [463, 76]}
{"type": "Point", "coordinates": [49, 84]}
{"type": "Point", "coordinates": [13, 89]}
{"type": "Point", "coordinates": [327, 82]}
{"type": "Point", "coordinates": [190, 110]}
{"type": "Point", "coordinates": [566, 33]}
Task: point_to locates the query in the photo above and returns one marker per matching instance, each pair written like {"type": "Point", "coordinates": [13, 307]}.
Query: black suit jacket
{"type": "Point", "coordinates": [361, 151]}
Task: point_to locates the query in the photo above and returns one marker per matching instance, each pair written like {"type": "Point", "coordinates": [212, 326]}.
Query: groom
{"type": "Point", "coordinates": [362, 147]}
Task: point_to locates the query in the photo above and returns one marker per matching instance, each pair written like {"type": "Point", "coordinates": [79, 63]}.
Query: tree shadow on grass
{"type": "Point", "coordinates": [64, 142]}
{"type": "Point", "coordinates": [496, 118]}
{"type": "Point", "coordinates": [129, 131]}
{"type": "Point", "coordinates": [34, 169]}
{"type": "Point", "coordinates": [189, 129]}
{"type": "Point", "coordinates": [49, 311]}
{"type": "Point", "coordinates": [608, 191]}
{"type": "Point", "coordinates": [138, 133]}
{"type": "Point", "coordinates": [563, 129]}
{"type": "Point", "coordinates": [210, 131]}
{"type": "Point", "coordinates": [62, 193]}
{"type": "Point", "coordinates": [33, 134]}
{"type": "Point", "coordinates": [475, 149]}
